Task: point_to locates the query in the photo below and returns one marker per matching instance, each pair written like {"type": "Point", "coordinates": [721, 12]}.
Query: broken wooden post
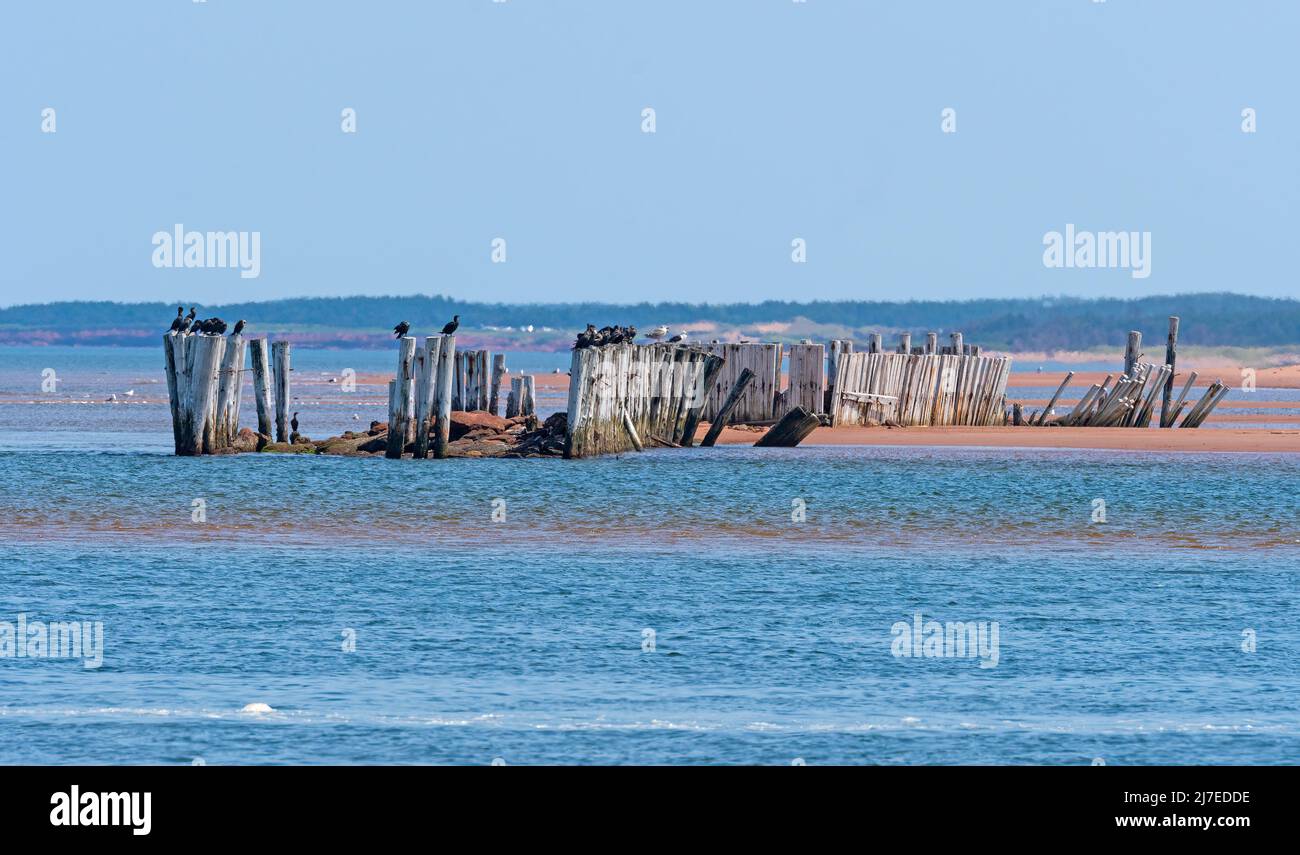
{"type": "Point", "coordinates": [527, 395]}
{"type": "Point", "coordinates": [1132, 351]}
{"type": "Point", "coordinates": [397, 425]}
{"type": "Point", "coordinates": [262, 389]}
{"type": "Point", "coordinates": [444, 385]}
{"type": "Point", "coordinates": [1052, 403]}
{"type": "Point", "coordinates": [1171, 348]}
{"type": "Point", "coordinates": [280, 352]}
{"type": "Point", "coordinates": [512, 401]}
{"type": "Point", "coordinates": [724, 412]}
{"type": "Point", "coordinates": [790, 431]}
{"type": "Point", "coordinates": [1017, 414]}
{"type": "Point", "coordinates": [498, 372]}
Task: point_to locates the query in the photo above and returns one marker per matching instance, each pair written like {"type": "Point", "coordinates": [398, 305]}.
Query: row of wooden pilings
{"type": "Point", "coordinates": [205, 380]}
{"type": "Point", "coordinates": [433, 380]}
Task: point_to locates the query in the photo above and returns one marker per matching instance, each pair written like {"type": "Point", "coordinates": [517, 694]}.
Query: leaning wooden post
{"type": "Point", "coordinates": [262, 388]}
{"type": "Point", "coordinates": [1132, 351]}
{"type": "Point", "coordinates": [280, 358]}
{"type": "Point", "coordinates": [1052, 403]}
{"type": "Point", "coordinates": [790, 431]}
{"type": "Point", "coordinates": [724, 412]}
{"type": "Point", "coordinates": [631, 430]}
{"type": "Point", "coordinates": [1171, 348]}
{"type": "Point", "coordinates": [498, 373]}
{"type": "Point", "coordinates": [397, 425]}
{"type": "Point", "coordinates": [697, 397]}
{"type": "Point", "coordinates": [444, 386]}
{"type": "Point", "coordinates": [173, 388]}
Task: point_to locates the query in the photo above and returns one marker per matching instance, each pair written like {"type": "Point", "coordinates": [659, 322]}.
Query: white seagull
{"type": "Point", "coordinates": [677, 338]}
{"type": "Point", "coordinates": [658, 332]}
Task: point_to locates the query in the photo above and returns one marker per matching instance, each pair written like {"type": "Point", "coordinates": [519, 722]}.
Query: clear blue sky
{"type": "Point", "coordinates": [522, 120]}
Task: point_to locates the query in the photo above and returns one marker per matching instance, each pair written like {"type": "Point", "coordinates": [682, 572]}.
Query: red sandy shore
{"type": "Point", "coordinates": [1119, 439]}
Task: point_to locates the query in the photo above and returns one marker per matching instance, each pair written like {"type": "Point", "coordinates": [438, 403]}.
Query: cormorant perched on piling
{"type": "Point", "coordinates": [187, 322]}
{"type": "Point", "coordinates": [293, 423]}
{"type": "Point", "coordinates": [239, 328]}
{"type": "Point", "coordinates": [401, 329]}
{"type": "Point", "coordinates": [451, 327]}
{"type": "Point", "coordinates": [176, 322]}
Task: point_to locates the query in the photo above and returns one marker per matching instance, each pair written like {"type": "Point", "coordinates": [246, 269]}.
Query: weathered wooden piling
{"type": "Point", "coordinates": [931, 343]}
{"type": "Point", "coordinates": [804, 386]}
{"type": "Point", "coordinates": [791, 430]}
{"type": "Point", "coordinates": [905, 342]}
{"type": "Point", "coordinates": [958, 346]}
{"type": "Point", "coordinates": [398, 421]}
{"type": "Point", "coordinates": [873, 343]}
{"type": "Point", "coordinates": [654, 384]}
{"type": "Point", "coordinates": [759, 401]}
{"type": "Point", "coordinates": [208, 351]}
{"type": "Point", "coordinates": [527, 395]}
{"type": "Point", "coordinates": [512, 400]}
{"type": "Point", "coordinates": [919, 389]}
{"type": "Point", "coordinates": [1059, 389]}
{"type": "Point", "coordinates": [229, 392]}
{"type": "Point", "coordinates": [173, 350]}
{"type": "Point", "coordinates": [1132, 352]}
{"type": "Point", "coordinates": [262, 387]}
{"type": "Point", "coordinates": [426, 372]}
{"type": "Point", "coordinates": [280, 356]}
{"type": "Point", "coordinates": [723, 414]}
{"type": "Point", "coordinates": [1171, 352]}
{"type": "Point", "coordinates": [444, 387]}
{"type": "Point", "coordinates": [838, 346]}
{"type": "Point", "coordinates": [498, 374]}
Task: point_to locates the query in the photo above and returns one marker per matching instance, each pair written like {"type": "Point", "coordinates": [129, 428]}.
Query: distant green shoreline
{"type": "Point", "coordinates": [1039, 324]}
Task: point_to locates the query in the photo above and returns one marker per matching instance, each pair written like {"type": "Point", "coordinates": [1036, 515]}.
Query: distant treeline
{"type": "Point", "coordinates": [1011, 324]}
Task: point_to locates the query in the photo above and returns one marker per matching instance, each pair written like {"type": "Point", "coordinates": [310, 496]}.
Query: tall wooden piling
{"type": "Point", "coordinates": [527, 395]}
{"type": "Point", "coordinates": [931, 343]}
{"type": "Point", "coordinates": [512, 401]}
{"type": "Point", "coordinates": [1132, 351]}
{"type": "Point", "coordinates": [229, 390]}
{"type": "Point", "coordinates": [280, 355]}
{"type": "Point", "coordinates": [498, 374]}
{"type": "Point", "coordinates": [905, 342]}
{"type": "Point", "coordinates": [1171, 352]}
{"type": "Point", "coordinates": [208, 351]}
{"type": "Point", "coordinates": [958, 347]}
{"type": "Point", "coordinates": [873, 345]}
{"type": "Point", "coordinates": [838, 346]}
{"type": "Point", "coordinates": [262, 386]}
{"type": "Point", "coordinates": [398, 424]}
{"type": "Point", "coordinates": [444, 387]}
{"type": "Point", "coordinates": [426, 371]}
{"type": "Point", "coordinates": [173, 350]}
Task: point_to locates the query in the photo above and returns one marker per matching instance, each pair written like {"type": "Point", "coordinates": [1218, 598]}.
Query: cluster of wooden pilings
{"type": "Point", "coordinates": [918, 389]}
{"type": "Point", "coordinates": [625, 396]}
{"type": "Point", "coordinates": [434, 380]}
{"type": "Point", "coordinates": [1131, 402]}
{"type": "Point", "coordinates": [205, 380]}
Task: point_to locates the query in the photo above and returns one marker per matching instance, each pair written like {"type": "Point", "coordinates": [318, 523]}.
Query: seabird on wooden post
{"type": "Point", "coordinates": [451, 327]}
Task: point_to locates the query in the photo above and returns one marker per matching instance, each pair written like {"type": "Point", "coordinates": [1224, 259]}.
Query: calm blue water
{"type": "Point", "coordinates": [520, 637]}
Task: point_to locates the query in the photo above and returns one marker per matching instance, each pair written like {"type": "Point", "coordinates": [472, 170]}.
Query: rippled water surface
{"type": "Point", "coordinates": [500, 608]}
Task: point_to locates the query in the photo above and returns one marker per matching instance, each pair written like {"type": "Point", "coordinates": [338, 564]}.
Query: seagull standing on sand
{"type": "Point", "coordinates": [658, 332]}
